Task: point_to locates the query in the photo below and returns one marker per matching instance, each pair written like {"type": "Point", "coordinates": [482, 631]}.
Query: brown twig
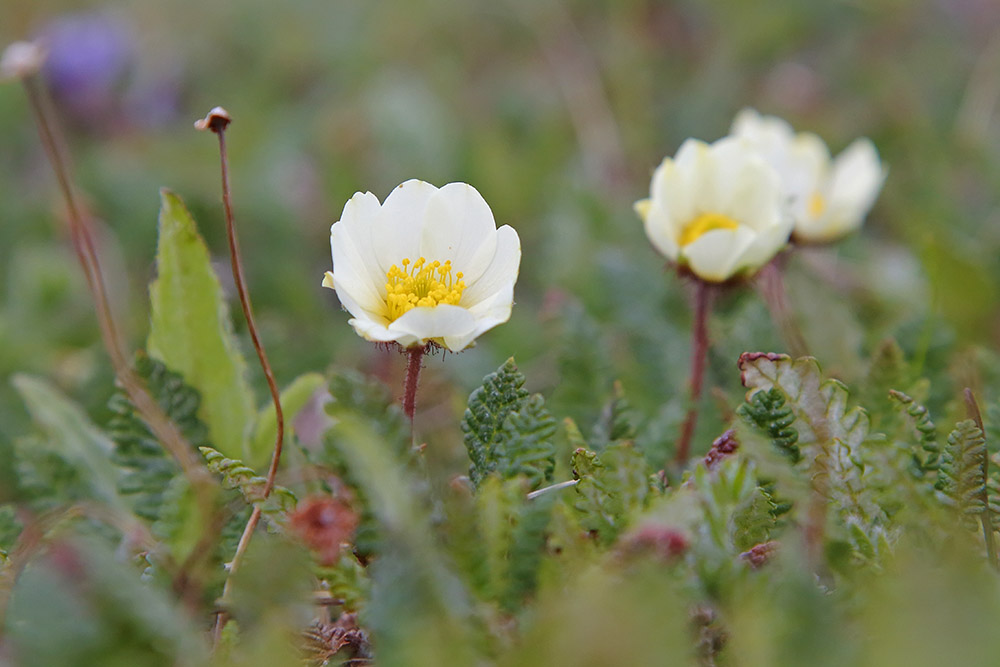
{"type": "Point", "coordinates": [771, 285]}
{"type": "Point", "coordinates": [699, 353]}
{"type": "Point", "coordinates": [81, 234]}
{"type": "Point", "coordinates": [217, 120]}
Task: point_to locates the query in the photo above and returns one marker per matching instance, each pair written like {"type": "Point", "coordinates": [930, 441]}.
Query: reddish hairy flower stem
{"type": "Point", "coordinates": [699, 353]}
{"type": "Point", "coordinates": [217, 124]}
{"type": "Point", "coordinates": [414, 362]}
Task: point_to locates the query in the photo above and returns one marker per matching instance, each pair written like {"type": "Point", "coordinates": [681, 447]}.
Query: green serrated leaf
{"type": "Point", "coordinates": [753, 520]}
{"type": "Point", "coordinates": [925, 429]}
{"type": "Point", "coordinates": [512, 530]}
{"type": "Point", "coordinates": [367, 398]}
{"type": "Point", "coordinates": [585, 463]}
{"type": "Point", "coordinates": [347, 580]}
{"type": "Point", "coordinates": [887, 370]}
{"type": "Point", "coordinates": [10, 528]}
{"type": "Point", "coordinates": [146, 469]}
{"type": "Point", "coordinates": [191, 331]}
{"type": "Point", "coordinates": [293, 399]}
{"type": "Point", "coordinates": [613, 486]}
{"type": "Point", "coordinates": [831, 435]}
{"type": "Point", "coordinates": [963, 465]}
{"type": "Point", "coordinates": [526, 444]}
{"type": "Point", "coordinates": [357, 398]}
{"type": "Point", "coordinates": [820, 406]}
{"type": "Point", "coordinates": [237, 475]}
{"type": "Point", "coordinates": [767, 412]}
{"type": "Point", "coordinates": [414, 591]}
{"type": "Point", "coordinates": [72, 436]}
{"type": "Point", "coordinates": [489, 405]}
{"type": "Point", "coordinates": [180, 521]}
{"type": "Point", "coordinates": [527, 548]}
{"type": "Point", "coordinates": [614, 422]}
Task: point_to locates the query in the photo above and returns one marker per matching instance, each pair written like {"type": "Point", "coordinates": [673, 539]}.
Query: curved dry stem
{"type": "Point", "coordinates": [165, 431]}
{"type": "Point", "coordinates": [217, 121]}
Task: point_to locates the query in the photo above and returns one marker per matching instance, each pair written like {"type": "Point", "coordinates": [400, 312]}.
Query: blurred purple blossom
{"type": "Point", "coordinates": [102, 78]}
{"type": "Point", "coordinates": [90, 56]}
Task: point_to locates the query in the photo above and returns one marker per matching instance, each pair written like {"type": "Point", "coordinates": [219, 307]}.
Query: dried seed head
{"type": "Point", "coordinates": [324, 523]}
{"type": "Point", "coordinates": [722, 447]}
{"type": "Point", "coordinates": [217, 120]}
{"type": "Point", "coordinates": [759, 554]}
{"type": "Point", "coordinates": [665, 542]}
{"type": "Point", "coordinates": [21, 60]}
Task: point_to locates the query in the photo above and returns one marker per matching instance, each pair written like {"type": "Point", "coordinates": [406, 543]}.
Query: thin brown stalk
{"type": "Point", "coordinates": [771, 284]}
{"type": "Point", "coordinates": [84, 246]}
{"type": "Point", "coordinates": [699, 354]}
{"type": "Point", "coordinates": [217, 121]}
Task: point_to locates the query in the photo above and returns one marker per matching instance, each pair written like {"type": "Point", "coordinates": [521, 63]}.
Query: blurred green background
{"type": "Point", "coordinates": [557, 112]}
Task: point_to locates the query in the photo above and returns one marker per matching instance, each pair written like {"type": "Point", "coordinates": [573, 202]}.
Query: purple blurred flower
{"type": "Point", "coordinates": [90, 56]}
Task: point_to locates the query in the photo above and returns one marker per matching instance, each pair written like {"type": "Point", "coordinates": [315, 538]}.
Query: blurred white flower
{"type": "Point", "coordinates": [427, 265]}
{"type": "Point", "coordinates": [828, 198]}
{"type": "Point", "coordinates": [716, 209]}
{"type": "Point", "coordinates": [21, 60]}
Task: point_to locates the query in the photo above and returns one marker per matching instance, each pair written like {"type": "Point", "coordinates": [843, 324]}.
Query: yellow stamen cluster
{"type": "Point", "coordinates": [421, 284]}
{"type": "Point", "coordinates": [704, 223]}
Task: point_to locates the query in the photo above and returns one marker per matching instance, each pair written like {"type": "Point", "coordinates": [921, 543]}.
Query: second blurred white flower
{"type": "Point", "coordinates": [828, 197]}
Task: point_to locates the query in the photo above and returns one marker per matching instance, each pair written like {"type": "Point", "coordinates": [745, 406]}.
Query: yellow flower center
{"type": "Point", "coordinates": [421, 284]}
{"type": "Point", "coordinates": [817, 204]}
{"type": "Point", "coordinates": [705, 222]}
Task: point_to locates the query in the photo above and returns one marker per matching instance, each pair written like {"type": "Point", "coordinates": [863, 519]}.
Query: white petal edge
{"type": "Point", "coordinates": [397, 229]}
{"type": "Point", "coordinates": [714, 256]}
{"type": "Point", "coordinates": [503, 268]}
{"type": "Point", "coordinates": [355, 268]}
{"type": "Point", "coordinates": [460, 227]}
{"type": "Point", "coordinates": [424, 324]}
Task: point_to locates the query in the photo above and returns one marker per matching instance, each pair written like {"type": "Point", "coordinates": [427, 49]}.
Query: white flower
{"type": "Point", "coordinates": [828, 198]}
{"type": "Point", "coordinates": [427, 265]}
{"type": "Point", "coordinates": [21, 60]}
{"type": "Point", "coordinates": [716, 209]}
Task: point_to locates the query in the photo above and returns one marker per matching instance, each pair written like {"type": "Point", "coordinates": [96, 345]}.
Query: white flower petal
{"type": "Point", "coordinates": [375, 332]}
{"type": "Point", "coordinates": [827, 198]}
{"type": "Point", "coordinates": [424, 324]}
{"type": "Point", "coordinates": [672, 200]}
{"type": "Point", "coordinates": [728, 178]}
{"type": "Point", "coordinates": [353, 306]}
{"type": "Point", "coordinates": [767, 132]}
{"type": "Point", "coordinates": [503, 268]}
{"type": "Point", "coordinates": [754, 197]}
{"type": "Point", "coordinates": [397, 228]}
{"type": "Point", "coordinates": [419, 220]}
{"type": "Point", "coordinates": [459, 343]}
{"type": "Point", "coordinates": [353, 265]}
{"type": "Point", "coordinates": [459, 227]}
{"type": "Point", "coordinates": [857, 176]}
{"type": "Point", "coordinates": [715, 255]}
{"type": "Point", "coordinates": [731, 164]}
{"type": "Point", "coordinates": [356, 224]}
{"type": "Point", "coordinates": [662, 231]}
{"type": "Point", "coordinates": [766, 244]}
